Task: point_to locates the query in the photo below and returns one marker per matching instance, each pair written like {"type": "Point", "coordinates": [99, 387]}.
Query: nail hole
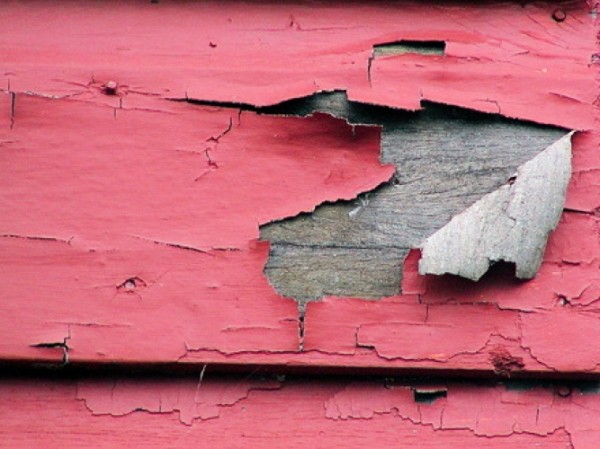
{"type": "Point", "coordinates": [131, 284]}
{"type": "Point", "coordinates": [563, 300]}
{"type": "Point", "coordinates": [564, 391]}
{"type": "Point", "coordinates": [559, 15]}
{"type": "Point", "coordinates": [110, 88]}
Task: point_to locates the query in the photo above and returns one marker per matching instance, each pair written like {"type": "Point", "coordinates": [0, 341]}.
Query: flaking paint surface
{"type": "Point", "coordinates": [132, 219]}
{"type": "Point", "coordinates": [251, 413]}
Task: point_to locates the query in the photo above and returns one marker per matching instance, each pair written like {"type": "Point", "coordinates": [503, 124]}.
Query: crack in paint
{"type": "Point", "coordinates": [175, 245]}
{"type": "Point", "coordinates": [292, 22]}
{"type": "Point", "coordinates": [350, 404]}
{"type": "Point", "coordinates": [38, 237]}
{"type": "Point", "coordinates": [181, 396]}
{"type": "Point", "coordinates": [60, 344]}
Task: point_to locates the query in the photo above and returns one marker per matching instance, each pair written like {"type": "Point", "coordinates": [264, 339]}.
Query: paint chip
{"type": "Point", "coordinates": [511, 224]}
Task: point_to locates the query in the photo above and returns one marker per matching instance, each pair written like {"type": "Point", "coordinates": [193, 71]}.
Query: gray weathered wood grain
{"type": "Point", "coordinates": [510, 224]}
{"type": "Point", "coordinates": [446, 159]}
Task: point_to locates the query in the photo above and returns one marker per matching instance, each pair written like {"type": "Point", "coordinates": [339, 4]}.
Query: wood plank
{"type": "Point", "coordinates": [133, 220]}
{"type": "Point", "coordinates": [293, 413]}
{"type": "Point", "coordinates": [512, 59]}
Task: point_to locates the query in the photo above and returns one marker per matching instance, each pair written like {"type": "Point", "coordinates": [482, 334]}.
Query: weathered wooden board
{"type": "Point", "coordinates": [445, 160]}
{"type": "Point", "coordinates": [293, 413]}
{"type": "Point", "coordinates": [130, 222]}
{"type": "Point", "coordinates": [508, 58]}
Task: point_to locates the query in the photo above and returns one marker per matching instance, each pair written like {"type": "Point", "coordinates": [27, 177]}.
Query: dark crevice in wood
{"type": "Point", "coordinates": [429, 395]}
{"type": "Point", "coordinates": [584, 382]}
{"type": "Point", "coordinates": [429, 48]}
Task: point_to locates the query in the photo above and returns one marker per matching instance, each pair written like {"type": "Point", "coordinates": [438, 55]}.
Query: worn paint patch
{"type": "Point", "coordinates": [511, 224]}
{"type": "Point", "coordinates": [192, 400]}
{"type": "Point", "coordinates": [299, 413]}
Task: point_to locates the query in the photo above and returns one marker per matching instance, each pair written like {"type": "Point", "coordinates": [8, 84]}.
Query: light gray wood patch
{"type": "Point", "coordinates": [510, 224]}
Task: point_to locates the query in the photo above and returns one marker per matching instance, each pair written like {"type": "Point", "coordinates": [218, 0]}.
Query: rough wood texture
{"type": "Point", "coordinates": [445, 160]}
{"type": "Point", "coordinates": [511, 224]}
{"type": "Point", "coordinates": [294, 413]}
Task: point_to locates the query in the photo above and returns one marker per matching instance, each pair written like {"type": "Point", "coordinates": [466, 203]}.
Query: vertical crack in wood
{"type": "Point", "coordinates": [13, 107]}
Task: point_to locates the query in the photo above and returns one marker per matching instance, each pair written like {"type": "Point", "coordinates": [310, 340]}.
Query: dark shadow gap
{"type": "Point", "coordinates": [428, 48]}
{"type": "Point", "coordinates": [586, 383]}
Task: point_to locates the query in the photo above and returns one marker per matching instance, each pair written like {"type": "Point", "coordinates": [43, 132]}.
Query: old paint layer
{"type": "Point", "coordinates": [297, 413]}
{"type": "Point", "coordinates": [503, 58]}
{"type": "Point", "coordinates": [511, 224]}
{"type": "Point", "coordinates": [132, 218]}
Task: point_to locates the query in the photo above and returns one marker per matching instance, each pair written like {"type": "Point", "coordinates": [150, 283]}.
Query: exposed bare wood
{"type": "Point", "coordinates": [511, 224]}
{"type": "Point", "coordinates": [445, 159]}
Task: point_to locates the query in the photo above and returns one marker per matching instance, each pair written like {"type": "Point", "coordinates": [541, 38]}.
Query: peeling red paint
{"type": "Point", "coordinates": [202, 400]}
{"type": "Point", "coordinates": [334, 413]}
{"type": "Point", "coordinates": [584, 191]}
{"type": "Point", "coordinates": [89, 245]}
{"type": "Point", "coordinates": [506, 57]}
{"type": "Point", "coordinates": [146, 176]}
{"type": "Point", "coordinates": [133, 219]}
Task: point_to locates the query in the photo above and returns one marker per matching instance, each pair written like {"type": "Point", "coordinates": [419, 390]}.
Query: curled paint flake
{"type": "Point", "coordinates": [511, 224]}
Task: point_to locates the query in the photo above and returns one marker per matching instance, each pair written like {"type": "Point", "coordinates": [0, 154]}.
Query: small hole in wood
{"type": "Point", "coordinates": [563, 301]}
{"type": "Point", "coordinates": [429, 48]}
{"type": "Point", "coordinates": [564, 391]}
{"type": "Point", "coordinates": [428, 395]}
{"type": "Point", "coordinates": [559, 15]}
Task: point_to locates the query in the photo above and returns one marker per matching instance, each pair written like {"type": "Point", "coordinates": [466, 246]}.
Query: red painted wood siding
{"type": "Point", "coordinates": [104, 184]}
{"type": "Point", "coordinates": [130, 226]}
{"type": "Point", "coordinates": [231, 413]}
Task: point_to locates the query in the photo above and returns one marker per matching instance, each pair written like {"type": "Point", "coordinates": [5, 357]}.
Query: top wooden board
{"type": "Point", "coordinates": [130, 224]}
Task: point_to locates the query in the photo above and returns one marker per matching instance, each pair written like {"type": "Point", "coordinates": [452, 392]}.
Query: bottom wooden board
{"type": "Point", "coordinates": [275, 412]}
